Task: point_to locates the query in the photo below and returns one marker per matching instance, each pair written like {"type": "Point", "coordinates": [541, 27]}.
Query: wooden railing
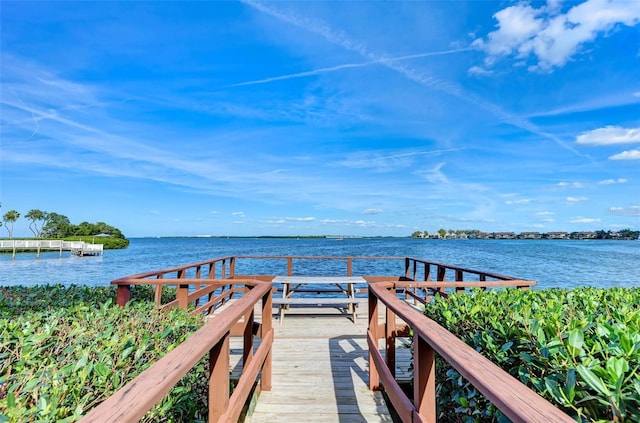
{"type": "Point", "coordinates": [514, 399]}
{"type": "Point", "coordinates": [131, 402]}
{"type": "Point", "coordinates": [438, 278]}
{"type": "Point", "coordinates": [423, 278]}
{"type": "Point", "coordinates": [205, 287]}
{"type": "Point", "coordinates": [198, 290]}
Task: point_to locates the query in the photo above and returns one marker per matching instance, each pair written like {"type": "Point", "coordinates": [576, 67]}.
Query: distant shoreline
{"type": "Point", "coordinates": [340, 237]}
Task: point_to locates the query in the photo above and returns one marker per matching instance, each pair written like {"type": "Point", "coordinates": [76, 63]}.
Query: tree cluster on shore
{"type": "Point", "coordinates": [625, 234]}
{"type": "Point", "coordinates": [57, 226]}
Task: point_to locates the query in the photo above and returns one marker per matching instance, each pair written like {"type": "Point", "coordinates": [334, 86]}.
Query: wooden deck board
{"type": "Point", "coordinates": [320, 370]}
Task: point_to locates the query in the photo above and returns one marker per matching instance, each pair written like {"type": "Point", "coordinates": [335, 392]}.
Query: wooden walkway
{"type": "Point", "coordinates": [77, 248]}
{"type": "Point", "coordinates": [320, 370]}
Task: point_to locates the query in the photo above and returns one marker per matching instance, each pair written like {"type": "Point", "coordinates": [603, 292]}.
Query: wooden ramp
{"type": "Point", "coordinates": [320, 370]}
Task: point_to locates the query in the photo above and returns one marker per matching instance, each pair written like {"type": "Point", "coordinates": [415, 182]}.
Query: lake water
{"type": "Point", "coordinates": [551, 263]}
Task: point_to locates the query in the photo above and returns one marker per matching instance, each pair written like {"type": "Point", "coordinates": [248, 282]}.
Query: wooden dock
{"type": "Point", "coordinates": [77, 248]}
{"type": "Point", "coordinates": [320, 364]}
{"type": "Point", "coordinates": [320, 369]}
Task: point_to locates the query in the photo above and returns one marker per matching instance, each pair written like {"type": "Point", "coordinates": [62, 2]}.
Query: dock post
{"type": "Point", "coordinates": [374, 377]}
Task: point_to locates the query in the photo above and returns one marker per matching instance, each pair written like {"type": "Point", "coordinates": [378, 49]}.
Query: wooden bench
{"type": "Point", "coordinates": [293, 284]}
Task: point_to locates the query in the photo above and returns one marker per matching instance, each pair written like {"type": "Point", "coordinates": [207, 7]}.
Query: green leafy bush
{"type": "Point", "coordinates": [580, 349]}
{"type": "Point", "coordinates": [63, 350]}
{"type": "Point", "coordinates": [109, 243]}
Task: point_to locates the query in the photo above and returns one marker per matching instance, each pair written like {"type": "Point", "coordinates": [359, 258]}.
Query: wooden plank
{"type": "Point", "coordinates": [319, 301]}
{"type": "Point", "coordinates": [320, 372]}
{"type": "Point", "coordinates": [319, 280]}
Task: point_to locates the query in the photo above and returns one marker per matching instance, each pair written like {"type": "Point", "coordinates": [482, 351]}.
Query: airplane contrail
{"type": "Point", "coordinates": [345, 66]}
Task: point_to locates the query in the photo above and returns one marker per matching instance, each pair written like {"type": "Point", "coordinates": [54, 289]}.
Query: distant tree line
{"type": "Point", "coordinates": [476, 234]}
{"type": "Point", "coordinates": [54, 225]}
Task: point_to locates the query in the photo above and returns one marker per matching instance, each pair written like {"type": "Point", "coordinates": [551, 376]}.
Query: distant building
{"type": "Point", "coordinates": [583, 235]}
{"type": "Point", "coordinates": [504, 235]}
{"type": "Point", "coordinates": [530, 235]}
{"type": "Point", "coordinates": [557, 235]}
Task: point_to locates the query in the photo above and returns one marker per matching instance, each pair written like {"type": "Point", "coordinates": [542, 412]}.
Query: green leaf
{"type": "Point", "coordinates": [101, 369]}
{"type": "Point", "coordinates": [569, 388]}
{"type": "Point", "coordinates": [592, 380]}
{"type": "Point", "coordinates": [30, 385]}
{"type": "Point", "coordinates": [617, 367]}
{"type": "Point", "coordinates": [576, 338]}
{"type": "Point", "coordinates": [82, 362]}
{"type": "Point", "coordinates": [554, 390]}
{"type": "Point", "coordinates": [11, 400]}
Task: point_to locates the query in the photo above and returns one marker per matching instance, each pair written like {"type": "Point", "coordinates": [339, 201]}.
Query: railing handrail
{"type": "Point", "coordinates": [408, 260]}
{"type": "Point", "coordinates": [131, 402]}
{"type": "Point", "coordinates": [460, 269]}
{"type": "Point", "coordinates": [174, 269]}
{"type": "Point", "coordinates": [513, 398]}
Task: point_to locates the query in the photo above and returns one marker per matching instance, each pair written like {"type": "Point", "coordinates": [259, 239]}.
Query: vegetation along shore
{"type": "Point", "coordinates": [65, 349]}
{"type": "Point", "coordinates": [51, 225]}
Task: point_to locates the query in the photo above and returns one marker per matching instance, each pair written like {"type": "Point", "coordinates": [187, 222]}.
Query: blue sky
{"type": "Point", "coordinates": [303, 118]}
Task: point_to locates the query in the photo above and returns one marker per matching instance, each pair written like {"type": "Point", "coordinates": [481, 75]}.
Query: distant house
{"type": "Point", "coordinates": [583, 235]}
{"type": "Point", "coordinates": [557, 235]}
{"type": "Point", "coordinates": [530, 235]}
{"type": "Point", "coordinates": [504, 235]}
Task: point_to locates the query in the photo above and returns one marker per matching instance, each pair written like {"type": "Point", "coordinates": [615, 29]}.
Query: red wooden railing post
{"type": "Point", "coordinates": [374, 377]}
{"type": "Point", "coordinates": [459, 277]}
{"type": "Point", "coordinates": [442, 271]}
{"type": "Point", "coordinates": [232, 267]}
{"type": "Point", "coordinates": [424, 378]}
{"type": "Point", "coordinates": [123, 294]}
{"type": "Point", "coordinates": [182, 294]}
{"type": "Point", "coordinates": [349, 266]}
{"type": "Point", "coordinates": [289, 266]}
{"type": "Point", "coordinates": [267, 326]}
{"type": "Point", "coordinates": [219, 379]}
{"type": "Point", "coordinates": [391, 340]}
{"type": "Point", "coordinates": [407, 269]}
{"type": "Point", "coordinates": [247, 350]}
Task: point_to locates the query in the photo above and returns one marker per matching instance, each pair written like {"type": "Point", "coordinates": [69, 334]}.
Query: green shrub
{"type": "Point", "coordinates": [580, 349]}
{"type": "Point", "coordinates": [110, 243]}
{"type": "Point", "coordinates": [64, 350]}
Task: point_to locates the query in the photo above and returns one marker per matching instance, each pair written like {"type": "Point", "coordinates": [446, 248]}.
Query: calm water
{"type": "Point", "coordinates": [550, 263]}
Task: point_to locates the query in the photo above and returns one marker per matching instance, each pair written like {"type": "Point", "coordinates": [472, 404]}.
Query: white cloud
{"type": "Point", "coordinates": [551, 37]}
{"type": "Point", "coordinates": [570, 185]}
{"type": "Point", "coordinates": [237, 213]}
{"type": "Point", "coordinates": [609, 135]}
{"type": "Point", "coordinates": [300, 219]}
{"type": "Point", "coordinates": [385, 161]}
{"type": "Point", "coordinates": [584, 220]}
{"type": "Point", "coordinates": [373, 211]}
{"type": "Point", "coordinates": [521, 201]}
{"type": "Point", "coordinates": [626, 155]}
{"type": "Point", "coordinates": [629, 211]}
{"type": "Point", "coordinates": [544, 213]}
{"type": "Point", "coordinates": [613, 181]}
{"type": "Point", "coordinates": [434, 175]}
{"type": "Point", "coordinates": [478, 70]}
{"type": "Point", "coordinates": [576, 199]}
